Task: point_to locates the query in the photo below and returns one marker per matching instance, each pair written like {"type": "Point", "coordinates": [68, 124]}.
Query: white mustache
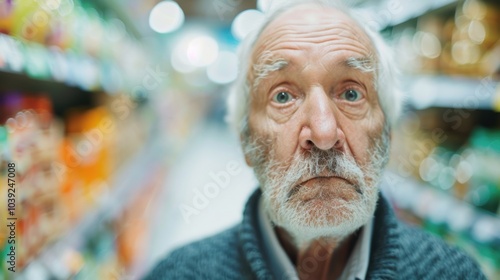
{"type": "Point", "coordinates": [318, 163]}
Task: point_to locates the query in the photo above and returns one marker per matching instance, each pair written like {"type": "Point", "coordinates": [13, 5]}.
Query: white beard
{"type": "Point", "coordinates": [325, 215]}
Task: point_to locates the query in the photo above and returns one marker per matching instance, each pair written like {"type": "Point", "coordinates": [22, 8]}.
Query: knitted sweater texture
{"type": "Point", "coordinates": [398, 252]}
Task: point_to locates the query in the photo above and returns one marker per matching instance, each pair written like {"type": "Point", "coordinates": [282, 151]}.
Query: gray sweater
{"type": "Point", "coordinates": [398, 252]}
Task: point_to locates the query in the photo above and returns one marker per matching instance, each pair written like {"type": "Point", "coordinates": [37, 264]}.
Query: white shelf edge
{"type": "Point", "coordinates": [425, 91]}
{"type": "Point", "coordinates": [400, 189]}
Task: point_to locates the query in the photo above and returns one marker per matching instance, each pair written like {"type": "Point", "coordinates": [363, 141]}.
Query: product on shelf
{"type": "Point", "coordinates": [67, 170]}
{"type": "Point", "coordinates": [70, 42]}
{"type": "Point", "coordinates": [6, 16]}
{"type": "Point", "coordinates": [67, 157]}
{"type": "Point", "coordinates": [446, 179]}
{"type": "Point", "coordinates": [86, 157]}
{"type": "Point", "coordinates": [466, 43]}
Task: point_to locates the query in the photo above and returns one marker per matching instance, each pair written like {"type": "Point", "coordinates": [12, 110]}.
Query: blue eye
{"type": "Point", "coordinates": [282, 97]}
{"type": "Point", "coordinates": [351, 95]}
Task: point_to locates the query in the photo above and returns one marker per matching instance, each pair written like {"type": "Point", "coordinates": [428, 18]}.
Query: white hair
{"type": "Point", "coordinates": [386, 82]}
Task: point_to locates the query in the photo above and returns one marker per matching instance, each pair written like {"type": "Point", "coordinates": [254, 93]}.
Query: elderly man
{"type": "Point", "coordinates": [314, 104]}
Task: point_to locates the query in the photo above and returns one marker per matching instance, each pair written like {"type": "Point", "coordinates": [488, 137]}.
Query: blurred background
{"type": "Point", "coordinates": [113, 115]}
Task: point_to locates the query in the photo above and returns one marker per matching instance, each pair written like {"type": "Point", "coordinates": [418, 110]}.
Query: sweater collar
{"type": "Point", "coordinates": [250, 240]}
{"type": "Point", "coordinates": [384, 251]}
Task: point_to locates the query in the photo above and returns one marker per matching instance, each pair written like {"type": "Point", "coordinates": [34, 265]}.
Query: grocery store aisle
{"type": "Point", "coordinates": [205, 191]}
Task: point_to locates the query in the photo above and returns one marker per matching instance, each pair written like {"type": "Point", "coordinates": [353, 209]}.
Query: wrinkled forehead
{"type": "Point", "coordinates": [309, 26]}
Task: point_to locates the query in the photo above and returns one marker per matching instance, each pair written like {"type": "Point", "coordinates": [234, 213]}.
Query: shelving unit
{"type": "Point", "coordinates": [444, 177]}
{"type": "Point", "coordinates": [445, 144]}
{"type": "Point", "coordinates": [74, 87]}
{"type": "Point", "coordinates": [127, 185]}
{"type": "Point", "coordinates": [458, 222]}
{"type": "Point", "coordinates": [427, 202]}
{"type": "Point", "coordinates": [452, 92]}
{"type": "Point", "coordinates": [62, 95]}
{"type": "Point", "coordinates": [386, 14]}
{"type": "Point", "coordinates": [54, 69]}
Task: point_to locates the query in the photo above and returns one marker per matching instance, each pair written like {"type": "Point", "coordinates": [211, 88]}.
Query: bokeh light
{"type": "Point", "coordinates": [166, 17]}
{"type": "Point", "coordinates": [246, 22]}
{"type": "Point", "coordinates": [202, 50]}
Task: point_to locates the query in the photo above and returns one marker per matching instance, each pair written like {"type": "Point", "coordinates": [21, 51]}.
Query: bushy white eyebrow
{"type": "Point", "coordinates": [365, 64]}
{"type": "Point", "coordinates": [266, 64]}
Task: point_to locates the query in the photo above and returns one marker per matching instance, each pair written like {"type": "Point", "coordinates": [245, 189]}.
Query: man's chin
{"type": "Point", "coordinates": [323, 217]}
{"type": "Point", "coordinates": [325, 211]}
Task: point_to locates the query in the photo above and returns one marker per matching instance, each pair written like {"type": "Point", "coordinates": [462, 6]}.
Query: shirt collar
{"type": "Point", "coordinates": [357, 265]}
{"type": "Point", "coordinates": [283, 268]}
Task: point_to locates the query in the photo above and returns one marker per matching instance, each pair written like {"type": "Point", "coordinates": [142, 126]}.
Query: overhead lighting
{"type": "Point", "coordinates": [245, 22]}
{"type": "Point", "coordinates": [179, 57]}
{"type": "Point", "coordinates": [193, 51]}
{"type": "Point", "coordinates": [166, 17]}
{"type": "Point", "coordinates": [202, 51]}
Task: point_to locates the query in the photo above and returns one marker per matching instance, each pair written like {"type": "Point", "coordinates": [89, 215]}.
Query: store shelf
{"type": "Point", "coordinates": [457, 222]}
{"type": "Point", "coordinates": [62, 96]}
{"type": "Point", "coordinates": [127, 182]}
{"type": "Point", "coordinates": [53, 66]}
{"type": "Point", "coordinates": [439, 207]}
{"type": "Point", "coordinates": [452, 92]}
{"type": "Point", "coordinates": [384, 14]}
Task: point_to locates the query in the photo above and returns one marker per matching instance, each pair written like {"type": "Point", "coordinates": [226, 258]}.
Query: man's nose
{"type": "Point", "coordinates": [320, 127]}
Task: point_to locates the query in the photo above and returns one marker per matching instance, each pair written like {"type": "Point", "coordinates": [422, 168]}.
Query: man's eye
{"type": "Point", "coordinates": [282, 97]}
{"type": "Point", "coordinates": [351, 95]}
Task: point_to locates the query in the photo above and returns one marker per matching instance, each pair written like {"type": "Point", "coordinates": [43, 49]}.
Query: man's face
{"type": "Point", "coordinates": [316, 127]}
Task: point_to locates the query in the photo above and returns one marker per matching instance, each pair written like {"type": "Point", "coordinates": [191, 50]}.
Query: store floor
{"type": "Point", "coordinates": [204, 193]}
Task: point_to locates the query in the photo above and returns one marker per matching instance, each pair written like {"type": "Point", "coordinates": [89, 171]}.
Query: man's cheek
{"type": "Point", "coordinates": [367, 142]}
